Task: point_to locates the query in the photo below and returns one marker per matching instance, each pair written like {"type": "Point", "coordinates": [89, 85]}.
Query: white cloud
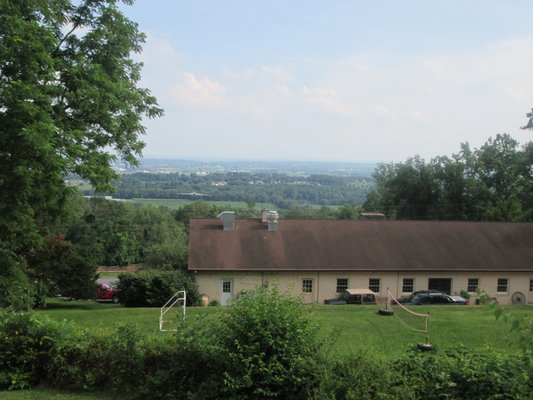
{"type": "Point", "coordinates": [410, 104]}
{"type": "Point", "coordinates": [327, 99]}
{"type": "Point", "coordinates": [275, 73]}
{"type": "Point", "coordinates": [193, 91]}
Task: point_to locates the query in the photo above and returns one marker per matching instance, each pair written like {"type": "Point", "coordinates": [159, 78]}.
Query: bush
{"type": "Point", "coordinates": [16, 291]}
{"type": "Point", "coordinates": [28, 346]}
{"type": "Point", "coordinates": [460, 374]}
{"type": "Point", "coordinates": [356, 377]}
{"type": "Point", "coordinates": [261, 347]}
{"type": "Point", "coordinates": [187, 365]}
{"type": "Point", "coordinates": [83, 361]}
{"type": "Point", "coordinates": [153, 288]}
{"type": "Point", "coordinates": [270, 347]}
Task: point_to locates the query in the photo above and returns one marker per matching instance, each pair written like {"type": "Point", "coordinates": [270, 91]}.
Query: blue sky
{"type": "Point", "coordinates": [334, 80]}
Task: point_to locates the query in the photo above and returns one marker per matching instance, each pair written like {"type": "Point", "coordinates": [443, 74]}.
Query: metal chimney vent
{"type": "Point", "coordinates": [272, 221]}
{"type": "Point", "coordinates": [228, 220]}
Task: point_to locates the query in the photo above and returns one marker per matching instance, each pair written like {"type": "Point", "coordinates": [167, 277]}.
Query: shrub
{"type": "Point", "coordinates": [460, 374]}
{"type": "Point", "coordinates": [83, 361]}
{"type": "Point", "coordinates": [16, 291]}
{"type": "Point", "coordinates": [187, 365]}
{"type": "Point", "coordinates": [354, 377]}
{"type": "Point", "coordinates": [132, 289]}
{"type": "Point", "coordinates": [126, 359]}
{"type": "Point", "coordinates": [27, 348]}
{"type": "Point", "coordinates": [92, 361]}
{"type": "Point", "coordinates": [154, 288]}
{"type": "Point", "coordinates": [270, 347]}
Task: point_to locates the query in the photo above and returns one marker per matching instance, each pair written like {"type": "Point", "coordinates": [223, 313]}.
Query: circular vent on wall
{"type": "Point", "coordinates": [518, 298]}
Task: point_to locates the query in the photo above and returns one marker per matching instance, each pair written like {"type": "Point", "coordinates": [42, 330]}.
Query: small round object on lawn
{"type": "Point", "coordinates": [424, 347]}
{"type": "Point", "coordinates": [386, 311]}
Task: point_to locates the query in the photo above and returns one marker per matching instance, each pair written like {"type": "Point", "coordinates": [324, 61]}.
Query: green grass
{"type": "Point", "coordinates": [110, 274]}
{"type": "Point", "coordinates": [354, 328]}
{"type": "Point", "coordinates": [345, 329]}
{"type": "Point", "coordinates": [48, 394]}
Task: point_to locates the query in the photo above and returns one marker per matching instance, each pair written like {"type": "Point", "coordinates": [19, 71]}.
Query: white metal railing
{"type": "Point", "coordinates": [178, 296]}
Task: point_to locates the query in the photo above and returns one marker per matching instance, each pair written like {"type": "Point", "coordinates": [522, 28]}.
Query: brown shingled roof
{"type": "Point", "coordinates": [344, 245]}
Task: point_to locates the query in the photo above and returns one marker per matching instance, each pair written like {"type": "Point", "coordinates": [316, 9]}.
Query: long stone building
{"type": "Point", "coordinates": [318, 259]}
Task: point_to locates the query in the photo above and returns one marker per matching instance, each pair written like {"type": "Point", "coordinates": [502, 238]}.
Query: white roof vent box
{"type": "Point", "coordinates": [272, 221]}
{"type": "Point", "coordinates": [228, 220]}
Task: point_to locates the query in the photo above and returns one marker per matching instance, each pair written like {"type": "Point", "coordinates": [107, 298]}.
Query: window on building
{"type": "Point", "coordinates": [502, 285]}
{"type": "Point", "coordinates": [531, 285]}
{"type": "Point", "coordinates": [307, 285]}
{"type": "Point", "coordinates": [408, 285]}
{"type": "Point", "coordinates": [374, 284]}
{"type": "Point", "coordinates": [226, 287]}
{"type": "Point", "coordinates": [473, 284]}
{"type": "Point", "coordinates": [342, 284]}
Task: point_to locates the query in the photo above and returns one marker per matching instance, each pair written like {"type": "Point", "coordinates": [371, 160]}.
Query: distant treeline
{"type": "Point", "coordinates": [283, 190]}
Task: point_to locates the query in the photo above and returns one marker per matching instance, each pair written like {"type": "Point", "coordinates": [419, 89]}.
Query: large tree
{"type": "Point", "coordinates": [529, 124]}
{"type": "Point", "coordinates": [493, 182]}
{"type": "Point", "coordinates": [69, 103]}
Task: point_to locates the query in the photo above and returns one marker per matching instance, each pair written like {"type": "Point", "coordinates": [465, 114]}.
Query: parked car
{"type": "Point", "coordinates": [437, 298]}
{"type": "Point", "coordinates": [410, 298]}
{"type": "Point", "coordinates": [354, 296]}
{"type": "Point", "coordinates": [335, 302]}
{"type": "Point", "coordinates": [107, 293]}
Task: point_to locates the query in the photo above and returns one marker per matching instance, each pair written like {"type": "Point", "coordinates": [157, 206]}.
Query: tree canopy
{"type": "Point", "coordinates": [69, 103]}
{"type": "Point", "coordinates": [494, 182]}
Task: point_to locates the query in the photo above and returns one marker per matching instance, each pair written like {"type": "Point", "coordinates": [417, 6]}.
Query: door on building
{"type": "Point", "coordinates": [226, 292]}
{"type": "Point", "coordinates": [443, 285]}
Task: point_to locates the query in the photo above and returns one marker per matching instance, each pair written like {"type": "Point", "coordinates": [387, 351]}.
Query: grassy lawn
{"type": "Point", "coordinates": [345, 328]}
{"type": "Point", "coordinates": [47, 394]}
{"type": "Point", "coordinates": [355, 328]}
{"type": "Point", "coordinates": [110, 274]}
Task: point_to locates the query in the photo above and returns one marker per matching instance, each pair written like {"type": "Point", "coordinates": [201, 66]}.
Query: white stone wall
{"type": "Point", "coordinates": [324, 283]}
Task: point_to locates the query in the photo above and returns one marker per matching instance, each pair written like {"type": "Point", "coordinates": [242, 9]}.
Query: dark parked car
{"type": "Point", "coordinates": [354, 296]}
{"type": "Point", "coordinates": [414, 294]}
{"type": "Point", "coordinates": [335, 302]}
{"type": "Point", "coordinates": [437, 298]}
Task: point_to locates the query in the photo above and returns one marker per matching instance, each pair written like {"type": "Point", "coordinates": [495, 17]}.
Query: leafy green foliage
{"type": "Point", "coordinates": [353, 377]}
{"type": "Point", "coordinates": [189, 364]}
{"type": "Point", "coordinates": [270, 345]}
{"type": "Point", "coordinates": [199, 362]}
{"type": "Point", "coordinates": [529, 124]}
{"type": "Point", "coordinates": [67, 268]}
{"type": "Point", "coordinates": [154, 288]}
{"type": "Point", "coordinates": [491, 183]}
{"type": "Point", "coordinates": [521, 328]}
{"type": "Point", "coordinates": [16, 289]}
{"type": "Point", "coordinates": [83, 360]}
{"type": "Point", "coordinates": [68, 94]}
{"type": "Point", "coordinates": [27, 348]}
{"type": "Point", "coordinates": [459, 374]}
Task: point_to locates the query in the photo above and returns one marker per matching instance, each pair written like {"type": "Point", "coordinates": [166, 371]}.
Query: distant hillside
{"type": "Point", "coordinates": [298, 168]}
{"type": "Point", "coordinates": [286, 191]}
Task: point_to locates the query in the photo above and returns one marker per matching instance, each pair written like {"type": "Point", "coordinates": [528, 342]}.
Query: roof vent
{"type": "Point", "coordinates": [228, 220]}
{"type": "Point", "coordinates": [272, 221]}
{"type": "Point", "coordinates": [371, 216]}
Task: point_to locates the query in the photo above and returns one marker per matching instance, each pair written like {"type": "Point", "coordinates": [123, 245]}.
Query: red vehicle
{"type": "Point", "coordinates": [107, 293]}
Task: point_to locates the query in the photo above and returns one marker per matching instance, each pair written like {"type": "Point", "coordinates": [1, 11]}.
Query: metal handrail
{"type": "Point", "coordinates": [171, 303]}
